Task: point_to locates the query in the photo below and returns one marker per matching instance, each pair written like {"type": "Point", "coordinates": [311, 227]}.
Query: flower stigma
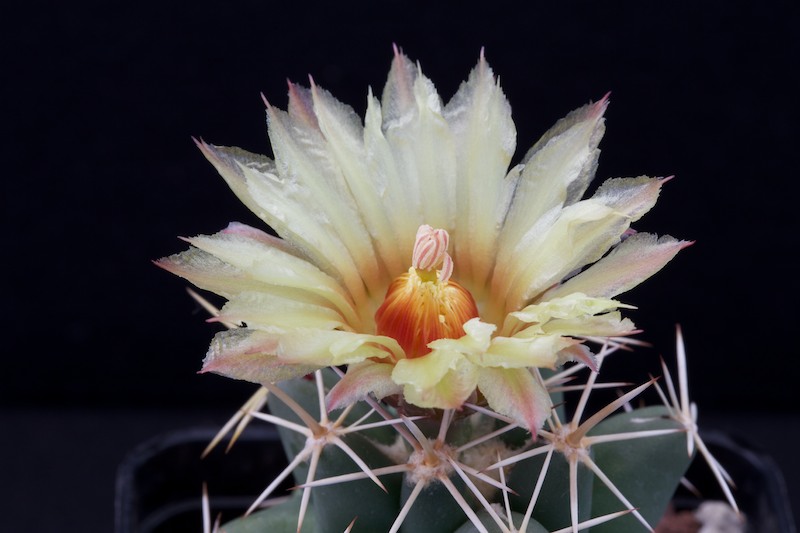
{"type": "Point", "coordinates": [423, 304]}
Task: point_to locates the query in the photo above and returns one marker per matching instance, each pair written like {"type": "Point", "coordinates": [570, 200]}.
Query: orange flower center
{"type": "Point", "coordinates": [423, 305]}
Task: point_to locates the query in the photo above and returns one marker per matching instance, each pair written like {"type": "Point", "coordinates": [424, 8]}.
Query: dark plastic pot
{"type": "Point", "coordinates": [760, 488]}
{"type": "Point", "coordinates": [159, 484]}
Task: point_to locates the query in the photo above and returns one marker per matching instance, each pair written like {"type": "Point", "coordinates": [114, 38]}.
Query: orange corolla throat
{"type": "Point", "coordinates": [424, 305]}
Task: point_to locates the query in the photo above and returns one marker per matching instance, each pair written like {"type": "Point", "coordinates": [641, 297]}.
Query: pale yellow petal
{"type": "Point", "coordinates": [478, 336]}
{"type": "Point", "coordinates": [517, 393]}
{"type": "Point", "coordinates": [441, 379]}
{"type": "Point", "coordinates": [422, 146]}
{"type": "Point", "coordinates": [512, 352]}
{"type": "Point", "coordinates": [479, 117]}
{"type": "Point", "coordinates": [580, 234]}
{"type": "Point", "coordinates": [271, 309]}
{"type": "Point", "coordinates": [210, 273]}
{"type": "Point", "coordinates": [274, 266]}
{"type": "Point", "coordinates": [632, 196]}
{"type": "Point", "coordinates": [557, 170]}
{"type": "Point", "coordinates": [245, 354]}
{"type": "Point", "coordinates": [571, 306]}
{"type": "Point", "coordinates": [605, 325]}
{"type": "Point", "coordinates": [283, 204]}
{"type": "Point", "coordinates": [425, 372]}
{"type": "Point", "coordinates": [297, 346]}
{"type": "Point", "coordinates": [634, 260]}
{"type": "Point", "coordinates": [362, 379]}
{"type": "Point", "coordinates": [399, 201]}
{"type": "Point", "coordinates": [303, 162]}
{"type": "Point", "coordinates": [345, 137]}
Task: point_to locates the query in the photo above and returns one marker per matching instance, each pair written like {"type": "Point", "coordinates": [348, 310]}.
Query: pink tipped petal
{"type": "Point", "coordinates": [209, 273]}
{"type": "Point", "coordinates": [231, 163]}
{"type": "Point", "coordinates": [361, 380]}
{"type": "Point", "coordinates": [312, 177]}
{"type": "Point", "coordinates": [240, 353]}
{"type": "Point", "coordinates": [580, 353]}
{"type": "Point", "coordinates": [632, 196]}
{"type": "Point", "coordinates": [301, 106]}
{"type": "Point", "coordinates": [350, 147]}
{"type": "Point", "coordinates": [398, 96]}
{"type": "Point", "coordinates": [517, 393]}
{"type": "Point", "coordinates": [479, 118]}
{"type": "Point", "coordinates": [637, 258]}
{"type": "Point", "coordinates": [237, 260]}
{"type": "Point", "coordinates": [257, 235]}
{"type": "Point", "coordinates": [557, 170]}
{"type": "Point", "coordinates": [255, 181]}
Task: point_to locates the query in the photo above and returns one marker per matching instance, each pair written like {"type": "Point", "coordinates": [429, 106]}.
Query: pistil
{"type": "Point", "coordinates": [424, 304]}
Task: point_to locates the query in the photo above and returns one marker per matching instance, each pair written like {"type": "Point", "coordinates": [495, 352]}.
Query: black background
{"type": "Point", "coordinates": [101, 174]}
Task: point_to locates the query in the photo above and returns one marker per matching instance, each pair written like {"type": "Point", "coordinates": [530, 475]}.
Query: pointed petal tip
{"type": "Point", "coordinates": [599, 108]}
{"type": "Point", "coordinates": [202, 145]}
{"type": "Point", "coordinates": [161, 263]}
{"type": "Point", "coordinates": [334, 400]}
{"type": "Point", "coordinates": [266, 102]}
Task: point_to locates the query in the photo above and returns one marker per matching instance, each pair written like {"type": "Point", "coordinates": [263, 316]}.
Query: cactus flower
{"type": "Point", "coordinates": [413, 253]}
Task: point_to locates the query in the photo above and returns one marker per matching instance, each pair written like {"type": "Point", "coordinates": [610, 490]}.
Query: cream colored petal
{"type": "Point", "coordinates": [581, 234]}
{"type": "Point", "coordinates": [345, 137]}
{"type": "Point", "coordinates": [237, 352]}
{"type": "Point", "coordinates": [605, 325]}
{"type": "Point", "coordinates": [422, 146]}
{"type": "Point", "coordinates": [239, 168]}
{"type": "Point", "coordinates": [362, 379]}
{"type": "Point", "coordinates": [304, 163]}
{"type": "Point", "coordinates": [509, 352]}
{"type": "Point", "coordinates": [634, 260]}
{"type": "Point", "coordinates": [572, 306]}
{"type": "Point", "coordinates": [557, 170]}
{"type": "Point", "coordinates": [477, 338]}
{"type": "Point", "coordinates": [578, 353]}
{"type": "Point", "coordinates": [348, 348]}
{"type": "Point", "coordinates": [275, 266]}
{"type": "Point", "coordinates": [258, 309]}
{"type": "Point", "coordinates": [479, 117]}
{"type": "Point", "coordinates": [517, 393]}
{"type": "Point", "coordinates": [632, 196]}
{"type": "Point", "coordinates": [210, 273]}
{"type": "Point", "coordinates": [426, 371]}
{"type": "Point", "coordinates": [284, 205]}
{"type": "Point", "coordinates": [445, 377]}
{"type": "Point", "coordinates": [616, 204]}
{"type": "Point", "coordinates": [400, 202]}
{"type": "Point", "coordinates": [244, 354]}
{"type": "Point", "coordinates": [442, 379]}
